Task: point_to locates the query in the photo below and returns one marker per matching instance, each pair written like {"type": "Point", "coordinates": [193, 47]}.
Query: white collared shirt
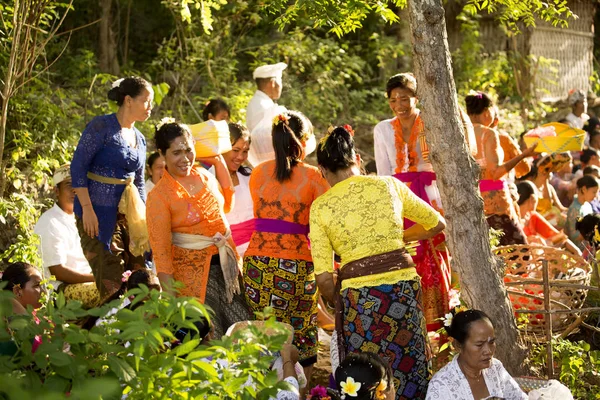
{"type": "Point", "coordinates": [257, 106]}
{"type": "Point", "coordinates": [60, 243]}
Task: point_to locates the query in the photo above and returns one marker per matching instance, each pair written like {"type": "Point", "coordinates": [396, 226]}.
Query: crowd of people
{"type": "Point", "coordinates": [256, 226]}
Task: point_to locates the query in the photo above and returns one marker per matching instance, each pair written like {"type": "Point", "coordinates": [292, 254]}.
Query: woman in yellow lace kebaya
{"type": "Point", "coordinates": [498, 206]}
{"type": "Point", "coordinates": [378, 291]}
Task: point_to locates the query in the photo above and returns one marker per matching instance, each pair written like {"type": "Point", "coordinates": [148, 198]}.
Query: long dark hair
{"type": "Point", "coordinates": [131, 86]}
{"type": "Point", "coordinates": [287, 132]}
{"type": "Point", "coordinates": [336, 150]}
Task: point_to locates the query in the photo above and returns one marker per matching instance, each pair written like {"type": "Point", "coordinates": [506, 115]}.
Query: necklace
{"type": "Point", "coordinates": [475, 379]}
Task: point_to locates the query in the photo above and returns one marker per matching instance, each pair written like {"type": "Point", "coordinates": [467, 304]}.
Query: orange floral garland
{"type": "Point", "coordinates": [416, 136]}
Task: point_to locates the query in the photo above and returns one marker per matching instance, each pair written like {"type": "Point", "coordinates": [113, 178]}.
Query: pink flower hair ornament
{"type": "Point", "coordinates": [125, 276]}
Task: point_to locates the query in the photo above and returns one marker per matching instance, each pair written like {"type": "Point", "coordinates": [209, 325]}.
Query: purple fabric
{"type": "Point", "coordinates": [103, 151]}
{"type": "Point", "coordinates": [418, 181]}
{"type": "Point", "coordinates": [280, 226]}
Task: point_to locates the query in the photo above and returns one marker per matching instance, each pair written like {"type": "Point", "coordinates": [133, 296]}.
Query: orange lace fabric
{"type": "Point", "coordinates": [288, 201]}
{"type": "Point", "coordinates": [494, 201]}
{"type": "Point", "coordinates": [407, 154]}
{"type": "Point", "coordinates": [169, 209]}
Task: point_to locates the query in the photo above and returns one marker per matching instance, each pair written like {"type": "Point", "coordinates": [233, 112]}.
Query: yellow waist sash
{"type": "Point", "coordinates": [134, 209]}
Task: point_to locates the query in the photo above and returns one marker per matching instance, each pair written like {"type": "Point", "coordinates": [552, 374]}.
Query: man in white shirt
{"type": "Point", "coordinates": [578, 102]}
{"type": "Point", "coordinates": [60, 246]}
{"type": "Point", "coordinates": [262, 107]}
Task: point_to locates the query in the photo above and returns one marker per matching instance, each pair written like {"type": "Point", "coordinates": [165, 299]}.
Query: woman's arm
{"type": "Point", "coordinates": [554, 197]}
{"type": "Point", "coordinates": [90, 220]}
{"type": "Point", "coordinates": [418, 232]}
{"type": "Point", "coordinates": [224, 179]}
{"type": "Point", "coordinates": [158, 219]}
{"type": "Point", "coordinates": [491, 148]}
{"type": "Point", "coordinates": [326, 286]}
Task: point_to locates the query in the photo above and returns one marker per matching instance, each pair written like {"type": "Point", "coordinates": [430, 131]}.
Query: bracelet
{"type": "Point", "coordinates": [288, 361]}
{"type": "Point", "coordinates": [85, 205]}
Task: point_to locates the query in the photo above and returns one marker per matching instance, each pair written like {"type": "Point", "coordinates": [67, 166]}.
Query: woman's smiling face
{"type": "Point", "coordinates": [180, 156]}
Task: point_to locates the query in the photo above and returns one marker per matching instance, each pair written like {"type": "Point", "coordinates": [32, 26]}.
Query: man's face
{"type": "Point", "coordinates": [65, 194]}
{"type": "Point", "coordinates": [276, 88]}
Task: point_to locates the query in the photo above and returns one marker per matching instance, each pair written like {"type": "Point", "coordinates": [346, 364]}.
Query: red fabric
{"type": "Point", "coordinates": [538, 225]}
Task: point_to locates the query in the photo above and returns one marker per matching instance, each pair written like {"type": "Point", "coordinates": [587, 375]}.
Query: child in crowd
{"type": "Point", "coordinates": [595, 172]}
{"type": "Point", "coordinates": [156, 168]}
{"type": "Point", "coordinates": [587, 190]}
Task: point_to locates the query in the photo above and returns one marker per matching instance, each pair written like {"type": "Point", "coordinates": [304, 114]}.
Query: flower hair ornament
{"type": "Point", "coordinates": [117, 83]}
{"type": "Point", "coordinates": [349, 129]}
{"type": "Point", "coordinates": [279, 119]}
{"type": "Point", "coordinates": [350, 387]}
{"type": "Point", "coordinates": [125, 276]}
{"type": "Point", "coordinates": [381, 389]}
{"type": "Point", "coordinates": [165, 120]}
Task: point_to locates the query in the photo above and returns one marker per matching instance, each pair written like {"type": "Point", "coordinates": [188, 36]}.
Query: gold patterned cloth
{"type": "Point", "coordinates": [134, 209]}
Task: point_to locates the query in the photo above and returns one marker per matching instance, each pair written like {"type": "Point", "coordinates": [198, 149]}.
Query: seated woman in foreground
{"type": "Point", "coordinates": [474, 373]}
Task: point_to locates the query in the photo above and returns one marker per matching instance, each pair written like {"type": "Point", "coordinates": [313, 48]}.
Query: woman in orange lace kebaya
{"type": "Point", "coordinates": [278, 268]}
{"type": "Point", "coordinates": [499, 208]}
{"type": "Point", "coordinates": [190, 237]}
{"type": "Point", "coordinates": [401, 151]}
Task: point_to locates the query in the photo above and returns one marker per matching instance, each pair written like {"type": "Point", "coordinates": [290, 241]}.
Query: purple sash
{"type": "Point", "coordinates": [488, 185]}
{"type": "Point", "coordinates": [280, 226]}
{"type": "Point", "coordinates": [418, 181]}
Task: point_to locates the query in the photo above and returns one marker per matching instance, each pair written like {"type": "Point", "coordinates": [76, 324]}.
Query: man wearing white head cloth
{"type": "Point", "coordinates": [262, 109]}
{"type": "Point", "coordinates": [578, 102]}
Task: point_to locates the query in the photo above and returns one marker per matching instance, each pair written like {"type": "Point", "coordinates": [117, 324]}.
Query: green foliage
{"type": "Point", "coordinates": [339, 17]}
{"type": "Point", "coordinates": [131, 353]}
{"type": "Point", "coordinates": [575, 363]}
{"type": "Point", "coordinates": [512, 12]}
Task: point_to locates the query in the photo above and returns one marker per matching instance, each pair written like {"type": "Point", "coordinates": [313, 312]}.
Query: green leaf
{"type": "Point", "coordinates": [121, 368]}
{"type": "Point", "coordinates": [186, 347]}
{"type": "Point", "coordinates": [60, 359]}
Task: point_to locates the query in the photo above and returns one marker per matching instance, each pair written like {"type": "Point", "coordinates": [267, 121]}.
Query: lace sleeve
{"type": "Point", "coordinates": [415, 209]}
{"type": "Point", "coordinates": [510, 388]}
{"type": "Point", "coordinates": [158, 217]}
{"type": "Point", "coordinates": [139, 174]}
{"type": "Point", "coordinates": [288, 394]}
{"type": "Point", "coordinates": [321, 248]}
{"type": "Point", "coordinates": [90, 143]}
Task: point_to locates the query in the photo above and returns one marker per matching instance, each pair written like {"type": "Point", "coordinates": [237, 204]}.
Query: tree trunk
{"type": "Point", "coordinates": [481, 280]}
{"type": "Point", "coordinates": [108, 55]}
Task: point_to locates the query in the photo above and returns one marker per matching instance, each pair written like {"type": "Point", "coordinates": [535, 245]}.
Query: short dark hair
{"type": "Point", "coordinates": [237, 132]}
{"type": "Point", "coordinates": [587, 154]}
{"type": "Point", "coordinates": [526, 189]}
{"type": "Point", "coordinates": [165, 135]}
{"type": "Point", "coordinates": [587, 181]}
{"type": "Point", "coordinates": [17, 274]}
{"type": "Point", "coordinates": [336, 150]}
{"type": "Point", "coordinates": [478, 103]}
{"type": "Point", "coordinates": [262, 82]}
{"type": "Point", "coordinates": [405, 80]}
{"type": "Point", "coordinates": [591, 170]}
{"type": "Point", "coordinates": [131, 86]}
{"type": "Point", "coordinates": [152, 159]}
{"type": "Point", "coordinates": [461, 322]}
{"type": "Point", "coordinates": [213, 107]}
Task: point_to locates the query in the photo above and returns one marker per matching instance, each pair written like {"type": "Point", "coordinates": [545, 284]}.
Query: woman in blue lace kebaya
{"type": "Point", "coordinates": [108, 179]}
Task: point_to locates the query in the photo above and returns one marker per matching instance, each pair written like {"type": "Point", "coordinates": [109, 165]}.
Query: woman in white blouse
{"type": "Point", "coordinates": [474, 373]}
{"type": "Point", "coordinates": [241, 216]}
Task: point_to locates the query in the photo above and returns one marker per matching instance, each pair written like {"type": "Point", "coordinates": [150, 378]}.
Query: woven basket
{"type": "Point", "coordinates": [566, 139]}
{"type": "Point", "coordinates": [524, 281]}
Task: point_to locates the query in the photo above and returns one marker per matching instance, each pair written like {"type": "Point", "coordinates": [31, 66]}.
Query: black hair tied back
{"type": "Point", "coordinates": [336, 150]}
{"type": "Point", "coordinates": [131, 86]}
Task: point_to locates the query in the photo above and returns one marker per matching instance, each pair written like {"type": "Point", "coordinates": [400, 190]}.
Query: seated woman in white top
{"type": "Point", "coordinates": [241, 216]}
{"type": "Point", "coordinates": [474, 373]}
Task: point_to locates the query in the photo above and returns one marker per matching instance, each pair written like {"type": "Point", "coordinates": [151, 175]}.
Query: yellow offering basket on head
{"type": "Point", "coordinates": [212, 138]}
{"type": "Point", "coordinates": [566, 139]}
